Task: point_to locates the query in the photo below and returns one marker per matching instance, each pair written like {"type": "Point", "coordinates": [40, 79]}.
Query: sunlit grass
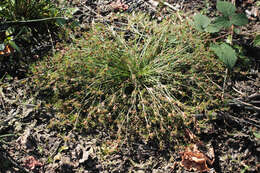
{"type": "Point", "coordinates": [144, 80]}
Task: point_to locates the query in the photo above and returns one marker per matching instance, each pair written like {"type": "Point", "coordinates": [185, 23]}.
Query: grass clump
{"type": "Point", "coordinates": [144, 80]}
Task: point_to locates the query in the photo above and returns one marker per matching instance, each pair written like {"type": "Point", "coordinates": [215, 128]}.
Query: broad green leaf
{"type": "Point", "coordinates": [257, 135]}
{"type": "Point", "coordinates": [226, 54]}
{"type": "Point", "coordinates": [2, 47]}
{"type": "Point", "coordinates": [213, 28]}
{"type": "Point", "coordinates": [13, 44]}
{"type": "Point", "coordinates": [257, 40]}
{"type": "Point", "coordinates": [239, 19]}
{"type": "Point", "coordinates": [226, 8]}
{"type": "Point", "coordinates": [201, 22]}
{"type": "Point", "coordinates": [222, 22]}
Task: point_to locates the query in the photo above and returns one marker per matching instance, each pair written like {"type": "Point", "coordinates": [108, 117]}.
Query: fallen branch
{"type": "Point", "coordinates": [170, 6]}
{"type": "Point", "coordinates": [253, 107]}
{"type": "Point", "coordinates": [226, 115]}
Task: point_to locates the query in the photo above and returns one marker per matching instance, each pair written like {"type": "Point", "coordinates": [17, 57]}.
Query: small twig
{"type": "Point", "coordinates": [254, 96]}
{"type": "Point", "coordinates": [4, 136]}
{"type": "Point", "coordinates": [219, 37]}
{"type": "Point", "coordinates": [255, 102]}
{"type": "Point", "coordinates": [175, 9]}
{"type": "Point", "coordinates": [1, 99]}
{"type": "Point", "coordinates": [224, 84]}
{"type": "Point", "coordinates": [170, 6]}
{"type": "Point", "coordinates": [91, 10]}
{"type": "Point", "coordinates": [247, 104]}
{"type": "Point", "coordinates": [251, 120]}
{"type": "Point", "coordinates": [240, 120]}
{"type": "Point", "coordinates": [243, 94]}
{"type": "Point", "coordinates": [52, 45]}
{"type": "Point", "coordinates": [241, 102]}
{"type": "Point", "coordinates": [3, 77]}
{"type": "Point", "coordinates": [31, 21]}
{"type": "Point", "coordinates": [51, 155]}
{"type": "Point", "coordinates": [219, 87]}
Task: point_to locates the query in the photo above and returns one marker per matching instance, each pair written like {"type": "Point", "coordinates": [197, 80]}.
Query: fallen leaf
{"type": "Point", "coordinates": [195, 160]}
{"type": "Point", "coordinates": [118, 5]}
{"type": "Point", "coordinates": [31, 163]}
{"type": "Point", "coordinates": [7, 51]}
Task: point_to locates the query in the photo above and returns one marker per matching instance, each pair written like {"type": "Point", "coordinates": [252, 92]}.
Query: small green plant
{"type": "Point", "coordinates": [229, 17]}
{"type": "Point", "coordinates": [6, 41]}
{"type": "Point", "coordinates": [25, 20]}
{"type": "Point", "coordinates": [145, 82]}
{"type": "Point", "coordinates": [228, 20]}
{"type": "Point", "coordinates": [16, 10]}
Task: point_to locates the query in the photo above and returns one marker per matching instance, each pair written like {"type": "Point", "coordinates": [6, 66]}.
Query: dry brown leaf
{"type": "Point", "coordinates": [118, 5]}
{"type": "Point", "coordinates": [191, 136]}
{"type": "Point", "coordinates": [195, 160]}
{"type": "Point", "coordinates": [7, 51]}
{"type": "Point", "coordinates": [31, 163]}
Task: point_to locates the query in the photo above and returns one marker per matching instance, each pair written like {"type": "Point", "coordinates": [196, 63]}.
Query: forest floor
{"type": "Point", "coordinates": [27, 144]}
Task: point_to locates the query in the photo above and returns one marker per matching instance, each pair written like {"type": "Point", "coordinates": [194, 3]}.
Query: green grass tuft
{"type": "Point", "coordinates": [145, 80]}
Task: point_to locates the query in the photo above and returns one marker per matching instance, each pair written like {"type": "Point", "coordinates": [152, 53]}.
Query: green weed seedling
{"type": "Point", "coordinates": [18, 19]}
{"type": "Point", "coordinates": [12, 11]}
{"type": "Point", "coordinates": [228, 20]}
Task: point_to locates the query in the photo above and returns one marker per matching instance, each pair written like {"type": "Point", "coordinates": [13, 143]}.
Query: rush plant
{"type": "Point", "coordinates": [144, 80]}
